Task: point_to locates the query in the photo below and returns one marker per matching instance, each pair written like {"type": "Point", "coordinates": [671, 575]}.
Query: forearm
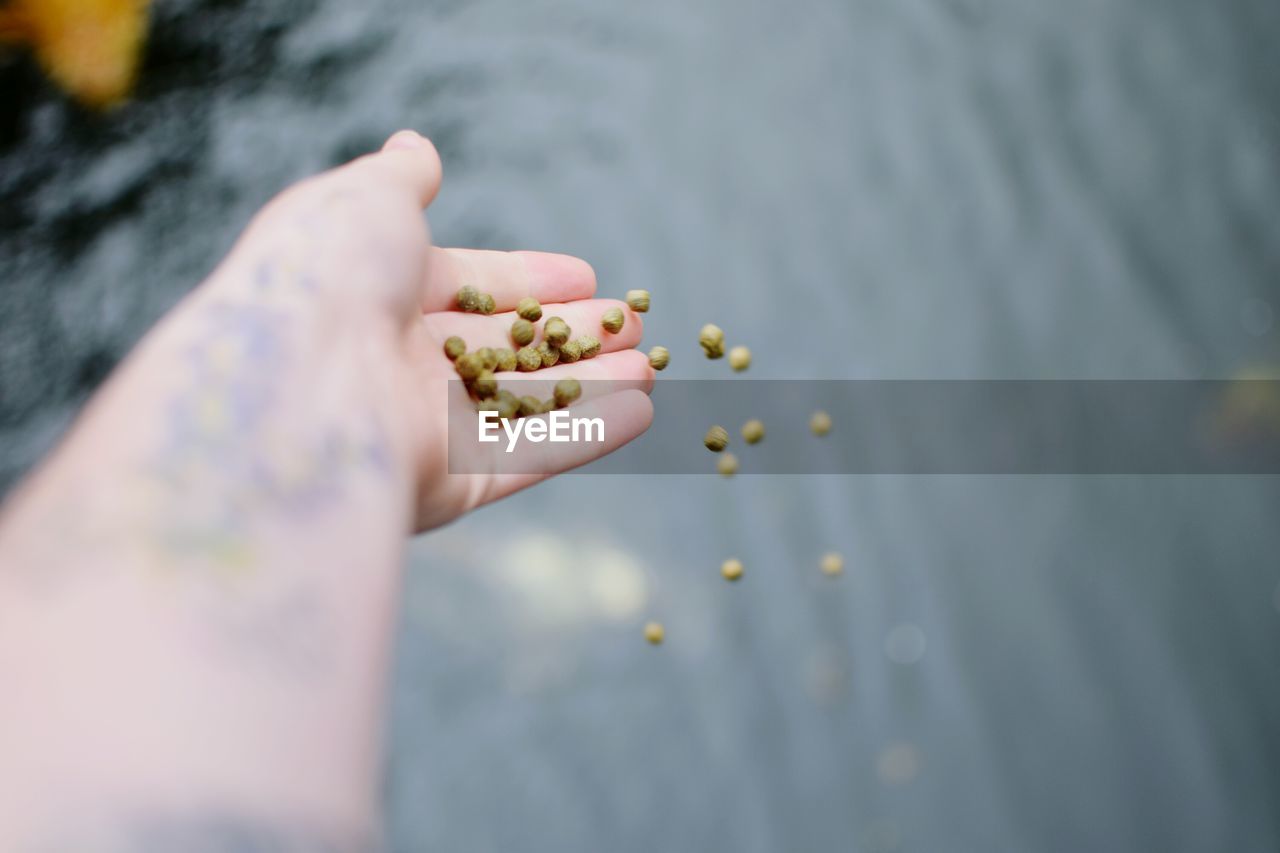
{"type": "Point", "coordinates": [219, 542]}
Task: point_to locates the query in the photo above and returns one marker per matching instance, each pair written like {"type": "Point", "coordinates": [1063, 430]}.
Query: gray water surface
{"type": "Point", "coordinates": [855, 189]}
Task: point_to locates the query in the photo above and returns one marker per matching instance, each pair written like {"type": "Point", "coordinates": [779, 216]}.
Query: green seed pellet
{"type": "Point", "coordinates": [530, 406]}
{"type": "Point", "coordinates": [566, 391]}
{"type": "Point", "coordinates": [454, 346]}
{"type": "Point", "coordinates": [506, 358]}
{"type": "Point", "coordinates": [638, 300]}
{"type": "Point", "coordinates": [570, 351]}
{"type": "Point", "coordinates": [469, 299]}
{"type": "Point", "coordinates": [613, 320]}
{"type": "Point", "coordinates": [487, 305]}
{"type": "Point", "coordinates": [529, 309]}
{"type": "Point", "coordinates": [521, 332]}
{"type": "Point", "coordinates": [485, 385]}
{"type": "Point", "coordinates": [589, 346]}
{"type": "Point", "coordinates": [528, 359]}
{"type": "Point", "coordinates": [469, 366]}
{"type": "Point", "coordinates": [488, 357]}
{"type": "Point", "coordinates": [555, 332]}
{"type": "Point", "coordinates": [711, 339]}
{"type": "Point", "coordinates": [549, 354]}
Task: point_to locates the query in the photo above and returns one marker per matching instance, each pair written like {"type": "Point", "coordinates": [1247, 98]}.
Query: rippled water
{"type": "Point", "coordinates": [855, 188]}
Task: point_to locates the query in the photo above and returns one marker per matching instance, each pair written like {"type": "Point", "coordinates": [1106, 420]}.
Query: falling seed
{"type": "Point", "coordinates": [752, 431]}
{"type": "Point", "coordinates": [454, 346]}
{"type": "Point", "coordinates": [716, 439]}
{"type": "Point", "coordinates": [739, 358]}
{"type": "Point", "coordinates": [612, 320]}
{"type": "Point", "coordinates": [832, 564]}
{"type": "Point", "coordinates": [654, 633]}
{"type": "Point", "coordinates": [529, 309]}
{"type": "Point", "coordinates": [711, 339]}
{"type": "Point", "coordinates": [820, 423]}
{"type": "Point", "coordinates": [659, 358]}
{"type": "Point", "coordinates": [727, 465]}
{"type": "Point", "coordinates": [731, 569]}
{"type": "Point", "coordinates": [638, 300]}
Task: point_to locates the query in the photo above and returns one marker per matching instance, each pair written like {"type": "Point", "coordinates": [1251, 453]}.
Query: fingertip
{"type": "Point", "coordinates": [403, 140]}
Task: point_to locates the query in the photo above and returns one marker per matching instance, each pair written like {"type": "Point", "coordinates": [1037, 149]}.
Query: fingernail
{"type": "Point", "coordinates": [404, 139]}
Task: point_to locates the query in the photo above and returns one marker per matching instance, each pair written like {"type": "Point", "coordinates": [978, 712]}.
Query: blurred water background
{"type": "Point", "coordinates": [853, 188]}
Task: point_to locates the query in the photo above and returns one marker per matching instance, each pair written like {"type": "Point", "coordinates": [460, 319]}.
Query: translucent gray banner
{"type": "Point", "coordinates": [910, 427]}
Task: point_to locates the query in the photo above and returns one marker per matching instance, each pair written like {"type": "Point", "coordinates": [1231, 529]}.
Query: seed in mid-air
{"type": "Point", "coordinates": [638, 300]}
{"type": "Point", "coordinates": [717, 439]}
{"type": "Point", "coordinates": [711, 339]}
{"type": "Point", "coordinates": [727, 465]}
{"type": "Point", "coordinates": [832, 564]}
{"type": "Point", "coordinates": [731, 569]}
{"type": "Point", "coordinates": [654, 633]}
{"type": "Point", "coordinates": [659, 358]}
{"type": "Point", "coordinates": [612, 320]}
{"type": "Point", "coordinates": [752, 431]}
{"type": "Point", "coordinates": [820, 423]}
{"type": "Point", "coordinates": [739, 358]}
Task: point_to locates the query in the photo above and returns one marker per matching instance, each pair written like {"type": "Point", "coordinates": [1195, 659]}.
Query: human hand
{"type": "Point", "coordinates": [354, 243]}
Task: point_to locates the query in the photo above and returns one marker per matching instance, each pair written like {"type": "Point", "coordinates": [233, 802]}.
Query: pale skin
{"type": "Point", "coordinates": [199, 587]}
